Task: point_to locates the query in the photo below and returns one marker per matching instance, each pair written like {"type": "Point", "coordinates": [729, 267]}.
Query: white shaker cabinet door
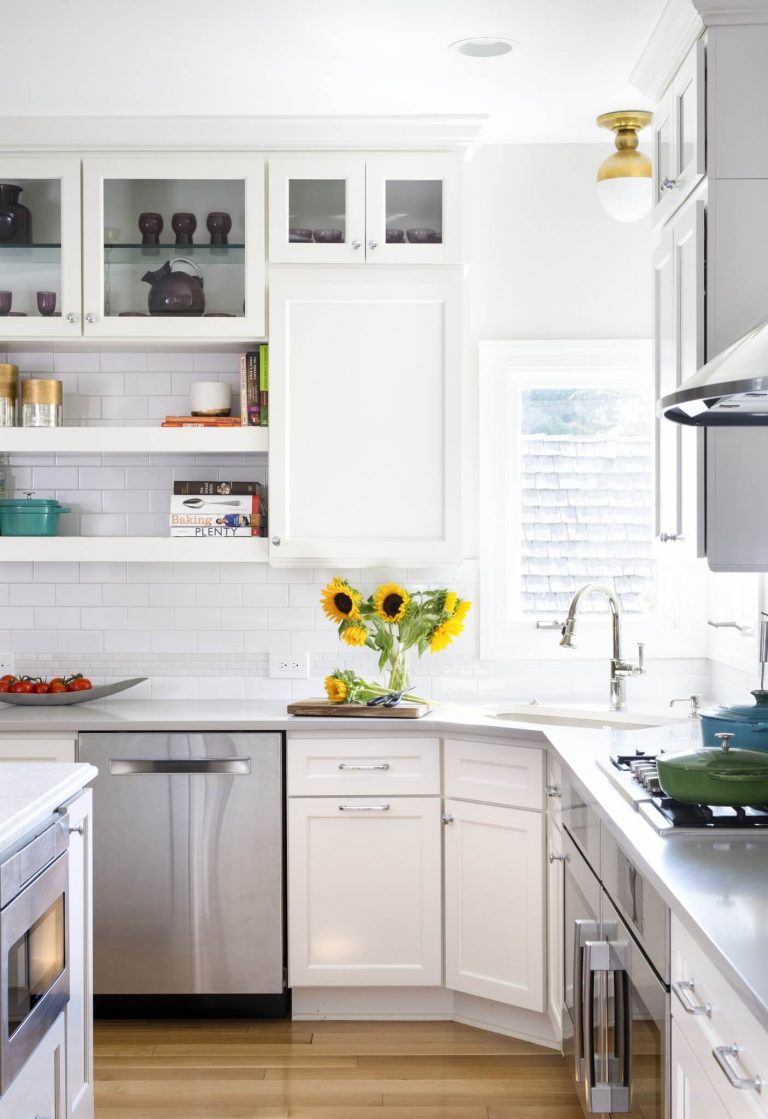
{"type": "Point", "coordinates": [693, 1096]}
{"type": "Point", "coordinates": [494, 903]}
{"type": "Point", "coordinates": [364, 892]}
{"type": "Point", "coordinates": [365, 421]}
{"type": "Point", "coordinates": [38, 1092]}
{"type": "Point", "coordinates": [79, 1011]}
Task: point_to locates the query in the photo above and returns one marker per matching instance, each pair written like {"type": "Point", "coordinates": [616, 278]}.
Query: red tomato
{"type": "Point", "coordinates": [4, 686]}
{"type": "Point", "coordinates": [56, 680]}
{"type": "Point", "coordinates": [57, 686]}
{"type": "Point", "coordinates": [41, 688]}
{"type": "Point", "coordinates": [7, 679]}
{"type": "Point", "coordinates": [21, 687]}
{"type": "Point", "coordinates": [79, 684]}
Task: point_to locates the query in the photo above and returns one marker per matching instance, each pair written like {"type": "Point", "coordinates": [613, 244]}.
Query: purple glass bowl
{"type": "Point", "coordinates": [424, 237]}
{"type": "Point", "coordinates": [395, 236]}
{"type": "Point", "coordinates": [328, 236]}
{"type": "Point", "coordinates": [300, 235]}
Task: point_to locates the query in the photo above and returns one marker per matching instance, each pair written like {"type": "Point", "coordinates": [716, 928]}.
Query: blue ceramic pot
{"type": "Point", "coordinates": [747, 722]}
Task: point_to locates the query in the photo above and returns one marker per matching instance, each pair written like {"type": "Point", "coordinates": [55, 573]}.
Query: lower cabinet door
{"type": "Point", "coordinates": [364, 898]}
{"type": "Point", "coordinates": [693, 1096]}
{"type": "Point", "coordinates": [38, 1092]}
{"type": "Point", "coordinates": [79, 1011]}
{"type": "Point", "coordinates": [494, 903]}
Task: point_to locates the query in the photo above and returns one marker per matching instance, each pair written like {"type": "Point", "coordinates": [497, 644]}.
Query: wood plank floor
{"type": "Point", "coordinates": [324, 1070]}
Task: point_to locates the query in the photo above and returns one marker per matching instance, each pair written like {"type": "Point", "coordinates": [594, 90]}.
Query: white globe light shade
{"type": "Point", "coordinates": [626, 199]}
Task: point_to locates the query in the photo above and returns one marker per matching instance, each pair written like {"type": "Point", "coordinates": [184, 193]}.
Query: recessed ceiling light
{"type": "Point", "coordinates": [483, 46]}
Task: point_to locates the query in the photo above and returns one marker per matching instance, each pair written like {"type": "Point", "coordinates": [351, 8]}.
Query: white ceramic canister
{"type": "Point", "coordinates": [210, 398]}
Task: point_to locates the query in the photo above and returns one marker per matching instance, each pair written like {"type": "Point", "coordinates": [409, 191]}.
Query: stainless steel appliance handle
{"type": "Point", "coordinates": [722, 1053]}
{"type": "Point", "coordinates": [127, 767]}
{"type": "Point", "coordinates": [583, 931]}
{"type": "Point", "coordinates": [344, 766]}
{"type": "Point", "coordinates": [684, 989]}
{"type": "Point", "coordinates": [609, 1095]}
{"type": "Point", "coordinates": [363, 808]}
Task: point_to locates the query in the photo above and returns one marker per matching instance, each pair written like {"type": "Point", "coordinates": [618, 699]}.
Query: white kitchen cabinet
{"type": "Point", "coordinates": [494, 772]}
{"type": "Point", "coordinates": [79, 1010]}
{"type": "Point", "coordinates": [365, 418]}
{"type": "Point", "coordinates": [51, 261]}
{"type": "Point", "coordinates": [555, 926]}
{"type": "Point", "coordinates": [692, 1094]}
{"type": "Point", "coordinates": [364, 898]}
{"type": "Point", "coordinates": [679, 341]}
{"type": "Point", "coordinates": [349, 209]}
{"type": "Point", "coordinates": [37, 748]}
{"type": "Point", "coordinates": [350, 764]}
{"type": "Point", "coordinates": [38, 1092]}
{"type": "Point", "coordinates": [115, 260]}
{"type": "Point", "coordinates": [494, 903]}
{"type": "Point", "coordinates": [679, 136]}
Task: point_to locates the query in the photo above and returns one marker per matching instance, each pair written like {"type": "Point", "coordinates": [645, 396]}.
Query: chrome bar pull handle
{"type": "Point", "coordinates": [723, 1054]}
{"type": "Point", "coordinates": [345, 766]}
{"type": "Point", "coordinates": [363, 808]}
{"type": "Point", "coordinates": [129, 767]}
{"type": "Point", "coordinates": [684, 989]}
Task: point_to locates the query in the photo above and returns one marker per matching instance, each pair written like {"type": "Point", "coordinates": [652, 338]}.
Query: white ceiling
{"type": "Point", "coordinates": [330, 57]}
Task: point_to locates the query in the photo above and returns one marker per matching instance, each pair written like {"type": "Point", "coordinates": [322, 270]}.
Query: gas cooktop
{"type": "Point", "coordinates": [636, 777]}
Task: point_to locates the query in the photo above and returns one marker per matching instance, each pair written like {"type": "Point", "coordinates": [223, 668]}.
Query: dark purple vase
{"type": "Point", "coordinates": [150, 227]}
{"type": "Point", "coordinates": [174, 292]}
{"type": "Point", "coordinates": [15, 219]}
{"type": "Point", "coordinates": [219, 224]}
{"type": "Point", "coordinates": [184, 226]}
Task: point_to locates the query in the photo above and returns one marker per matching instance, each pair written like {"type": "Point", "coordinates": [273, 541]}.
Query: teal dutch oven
{"type": "Point", "coordinates": [748, 723]}
{"type": "Point", "coordinates": [30, 516]}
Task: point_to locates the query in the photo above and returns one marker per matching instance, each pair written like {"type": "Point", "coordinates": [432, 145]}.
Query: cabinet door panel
{"type": "Point", "coordinates": [413, 209]}
{"type": "Point", "coordinates": [679, 136]}
{"type": "Point", "coordinates": [365, 418]}
{"type": "Point", "coordinates": [364, 892]}
{"type": "Point", "coordinates": [494, 772]}
{"type": "Point", "coordinates": [668, 497]}
{"type": "Point", "coordinates": [30, 748]}
{"type": "Point", "coordinates": [494, 903]}
{"type": "Point", "coordinates": [38, 1092]}
{"type": "Point", "coordinates": [555, 923]}
{"type": "Point", "coordinates": [311, 198]}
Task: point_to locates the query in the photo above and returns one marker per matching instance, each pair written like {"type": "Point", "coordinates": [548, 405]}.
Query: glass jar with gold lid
{"type": "Point", "coordinates": [9, 391]}
{"type": "Point", "coordinates": [41, 403]}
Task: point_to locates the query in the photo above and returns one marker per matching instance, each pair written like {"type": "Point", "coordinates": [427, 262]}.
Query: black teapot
{"type": "Point", "coordinates": [174, 291]}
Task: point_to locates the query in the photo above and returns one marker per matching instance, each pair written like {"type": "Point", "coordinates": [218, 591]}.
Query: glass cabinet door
{"type": "Point", "coordinates": [174, 248]}
{"type": "Point", "coordinates": [413, 212]}
{"type": "Point", "coordinates": [39, 248]}
{"type": "Point", "coordinates": [317, 210]}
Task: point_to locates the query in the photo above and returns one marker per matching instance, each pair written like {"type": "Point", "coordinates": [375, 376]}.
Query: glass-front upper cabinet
{"type": "Point", "coordinates": [317, 210]}
{"type": "Point", "coordinates": [679, 136]}
{"type": "Point", "coordinates": [413, 209]}
{"type": "Point", "coordinates": [174, 248]}
{"type": "Point", "coordinates": [39, 248]}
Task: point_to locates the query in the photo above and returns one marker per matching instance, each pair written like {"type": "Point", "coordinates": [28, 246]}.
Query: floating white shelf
{"type": "Point", "coordinates": [132, 549]}
{"type": "Point", "coordinates": [133, 440]}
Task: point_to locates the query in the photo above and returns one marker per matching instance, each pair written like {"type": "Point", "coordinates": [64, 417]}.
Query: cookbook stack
{"type": "Point", "coordinates": [203, 510]}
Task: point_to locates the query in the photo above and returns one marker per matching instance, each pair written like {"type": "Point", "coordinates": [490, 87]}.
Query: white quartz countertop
{"type": "Point", "coordinates": [30, 791]}
{"type": "Point", "coordinates": [717, 886]}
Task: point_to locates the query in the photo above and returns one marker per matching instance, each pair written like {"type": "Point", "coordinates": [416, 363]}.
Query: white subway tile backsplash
{"type": "Point", "coordinates": [173, 361]}
{"type": "Point", "coordinates": [247, 618]}
{"type": "Point", "coordinates": [126, 361]}
{"type": "Point", "coordinates": [124, 408]}
{"type": "Point", "coordinates": [104, 477]}
{"type": "Point", "coordinates": [33, 641]}
{"type": "Point", "coordinates": [55, 477]}
{"type": "Point", "coordinates": [32, 594]}
{"type": "Point", "coordinates": [58, 617]}
{"type": "Point", "coordinates": [171, 594]}
{"type": "Point", "coordinates": [195, 618]}
{"type": "Point", "coordinates": [127, 641]}
{"type": "Point", "coordinates": [125, 594]}
{"type": "Point", "coordinates": [290, 617]}
{"type": "Point", "coordinates": [78, 641]}
{"type": "Point", "coordinates": [102, 524]}
{"type": "Point", "coordinates": [166, 641]}
{"type": "Point", "coordinates": [220, 641]}
{"type": "Point", "coordinates": [57, 572]}
{"type": "Point", "coordinates": [104, 572]}
{"type": "Point", "coordinates": [102, 617]}
{"type": "Point", "coordinates": [66, 362]}
{"type": "Point", "coordinates": [268, 594]}
{"type": "Point", "coordinates": [154, 383]}
{"type": "Point", "coordinates": [101, 384]}
{"type": "Point", "coordinates": [17, 617]}
{"type": "Point", "coordinates": [219, 594]}
{"type": "Point", "coordinates": [150, 617]}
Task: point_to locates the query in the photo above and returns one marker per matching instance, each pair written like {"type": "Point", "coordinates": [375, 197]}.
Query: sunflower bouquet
{"type": "Point", "coordinates": [391, 621]}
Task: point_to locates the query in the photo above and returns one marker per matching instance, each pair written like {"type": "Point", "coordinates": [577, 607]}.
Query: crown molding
{"type": "Point", "coordinates": [719, 13]}
{"type": "Point", "coordinates": [677, 29]}
{"type": "Point", "coordinates": [240, 134]}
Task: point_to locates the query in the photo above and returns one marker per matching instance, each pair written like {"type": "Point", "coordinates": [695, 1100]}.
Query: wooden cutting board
{"type": "Point", "coordinates": [317, 707]}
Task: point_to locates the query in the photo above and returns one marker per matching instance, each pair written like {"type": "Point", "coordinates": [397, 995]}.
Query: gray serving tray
{"type": "Point", "coordinates": [62, 699]}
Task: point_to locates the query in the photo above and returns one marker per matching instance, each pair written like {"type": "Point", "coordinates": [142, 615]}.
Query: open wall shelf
{"type": "Point", "coordinates": [133, 440]}
{"type": "Point", "coordinates": [139, 549]}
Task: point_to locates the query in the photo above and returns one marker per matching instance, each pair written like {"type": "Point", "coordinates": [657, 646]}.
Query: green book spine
{"type": "Point", "coordinates": [264, 385]}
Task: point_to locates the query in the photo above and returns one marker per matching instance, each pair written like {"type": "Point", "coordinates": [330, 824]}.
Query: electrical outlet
{"type": "Point", "coordinates": [289, 666]}
{"type": "Point", "coordinates": [6, 663]}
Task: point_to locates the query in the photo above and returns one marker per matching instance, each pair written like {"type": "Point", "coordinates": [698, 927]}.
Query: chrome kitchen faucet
{"type": "Point", "coordinates": [620, 669]}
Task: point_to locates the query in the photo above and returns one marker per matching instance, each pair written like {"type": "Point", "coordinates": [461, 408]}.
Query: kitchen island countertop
{"type": "Point", "coordinates": [30, 791]}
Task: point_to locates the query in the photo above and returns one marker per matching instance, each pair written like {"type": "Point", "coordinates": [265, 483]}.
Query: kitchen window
{"type": "Point", "coordinates": [567, 490]}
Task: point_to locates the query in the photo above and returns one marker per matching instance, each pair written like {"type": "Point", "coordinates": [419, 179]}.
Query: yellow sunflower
{"type": "Point", "coordinates": [451, 599]}
{"type": "Point", "coordinates": [462, 610]}
{"type": "Point", "coordinates": [442, 636]}
{"type": "Point", "coordinates": [339, 601]}
{"type": "Point", "coordinates": [354, 635]}
{"type": "Point", "coordinates": [390, 602]}
{"type": "Point", "coordinates": [336, 690]}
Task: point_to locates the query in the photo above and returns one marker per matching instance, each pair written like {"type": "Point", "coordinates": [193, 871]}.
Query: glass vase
{"type": "Point", "coordinates": [398, 670]}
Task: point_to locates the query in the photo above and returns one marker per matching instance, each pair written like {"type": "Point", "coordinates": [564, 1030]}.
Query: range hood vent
{"type": "Point", "coordinates": [731, 390]}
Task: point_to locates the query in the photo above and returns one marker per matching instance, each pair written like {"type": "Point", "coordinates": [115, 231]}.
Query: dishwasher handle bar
{"type": "Point", "coordinates": [129, 767]}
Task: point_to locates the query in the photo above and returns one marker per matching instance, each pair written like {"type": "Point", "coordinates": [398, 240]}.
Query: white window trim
{"type": "Point", "coordinates": [504, 635]}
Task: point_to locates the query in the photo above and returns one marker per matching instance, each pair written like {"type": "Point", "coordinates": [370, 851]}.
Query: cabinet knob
{"type": "Point", "coordinates": [667, 184]}
{"type": "Point", "coordinates": [559, 857]}
{"type": "Point", "coordinates": [276, 540]}
{"type": "Point", "coordinates": [553, 791]}
{"type": "Point", "coordinates": [79, 830]}
{"type": "Point", "coordinates": [73, 317]}
{"type": "Point", "coordinates": [357, 244]}
{"type": "Point", "coordinates": [670, 537]}
{"type": "Point", "coordinates": [90, 317]}
{"type": "Point", "coordinates": [373, 244]}
{"type": "Point", "coordinates": [447, 818]}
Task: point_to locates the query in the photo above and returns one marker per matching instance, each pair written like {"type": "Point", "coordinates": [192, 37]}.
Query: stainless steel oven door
{"type": "Point", "coordinates": [636, 1042]}
{"type": "Point", "coordinates": [34, 972]}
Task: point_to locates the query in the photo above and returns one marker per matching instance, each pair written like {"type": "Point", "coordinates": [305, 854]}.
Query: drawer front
{"type": "Point", "coordinates": [712, 1017]}
{"type": "Point", "coordinates": [36, 748]}
{"type": "Point", "coordinates": [343, 766]}
{"type": "Point", "coordinates": [494, 773]}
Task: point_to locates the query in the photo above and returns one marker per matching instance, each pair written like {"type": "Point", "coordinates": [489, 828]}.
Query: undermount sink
{"type": "Point", "coordinates": [578, 716]}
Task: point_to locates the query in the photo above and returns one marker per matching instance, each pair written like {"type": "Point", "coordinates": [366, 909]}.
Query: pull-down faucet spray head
{"type": "Point", "coordinates": [566, 641]}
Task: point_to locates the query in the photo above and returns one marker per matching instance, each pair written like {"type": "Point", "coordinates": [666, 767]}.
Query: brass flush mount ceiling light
{"type": "Point", "coordinates": [624, 184]}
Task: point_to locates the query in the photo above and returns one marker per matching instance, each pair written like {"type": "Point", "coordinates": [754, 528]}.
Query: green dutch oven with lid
{"type": "Point", "coordinates": [725, 776]}
{"type": "Point", "coordinates": [30, 516]}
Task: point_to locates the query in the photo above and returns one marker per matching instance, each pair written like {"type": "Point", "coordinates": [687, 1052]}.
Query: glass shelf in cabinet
{"type": "Point", "coordinates": [138, 251]}
{"type": "Point", "coordinates": [30, 254]}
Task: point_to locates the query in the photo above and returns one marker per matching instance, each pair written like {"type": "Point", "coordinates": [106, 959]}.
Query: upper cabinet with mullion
{"type": "Point", "coordinates": [226, 253]}
{"type": "Point", "coordinates": [388, 209]}
{"type": "Point", "coordinates": [679, 136]}
{"type": "Point", "coordinates": [40, 248]}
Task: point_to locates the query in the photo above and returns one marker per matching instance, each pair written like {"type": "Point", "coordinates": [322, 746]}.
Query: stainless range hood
{"type": "Point", "coordinates": [731, 390]}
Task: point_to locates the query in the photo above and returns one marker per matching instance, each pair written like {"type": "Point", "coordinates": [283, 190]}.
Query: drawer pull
{"type": "Point", "coordinates": [363, 808]}
{"type": "Point", "coordinates": [684, 989]}
{"type": "Point", "coordinates": [722, 1053]}
{"type": "Point", "coordinates": [379, 765]}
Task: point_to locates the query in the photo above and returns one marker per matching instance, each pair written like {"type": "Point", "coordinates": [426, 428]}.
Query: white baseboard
{"type": "Point", "coordinates": [420, 1004]}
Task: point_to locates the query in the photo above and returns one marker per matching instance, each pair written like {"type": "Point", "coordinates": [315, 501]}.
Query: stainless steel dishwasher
{"type": "Point", "coordinates": [188, 874]}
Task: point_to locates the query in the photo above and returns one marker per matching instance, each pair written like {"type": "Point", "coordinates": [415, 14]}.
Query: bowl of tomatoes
{"type": "Point", "coordinates": [34, 691]}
